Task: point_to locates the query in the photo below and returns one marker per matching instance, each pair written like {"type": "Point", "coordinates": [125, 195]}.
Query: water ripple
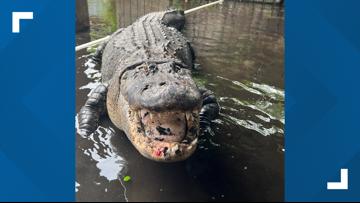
{"type": "Point", "coordinates": [108, 161]}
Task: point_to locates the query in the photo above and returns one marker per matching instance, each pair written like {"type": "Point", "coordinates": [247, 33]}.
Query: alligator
{"type": "Point", "coordinates": [147, 89]}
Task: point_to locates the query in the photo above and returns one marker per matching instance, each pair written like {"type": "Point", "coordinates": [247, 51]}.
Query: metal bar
{"type": "Point", "coordinates": [203, 6]}
{"type": "Point", "coordinates": [92, 43]}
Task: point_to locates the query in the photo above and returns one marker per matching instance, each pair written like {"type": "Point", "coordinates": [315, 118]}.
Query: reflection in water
{"type": "Point", "coordinates": [109, 163]}
{"type": "Point", "coordinates": [77, 185]}
{"type": "Point", "coordinates": [240, 49]}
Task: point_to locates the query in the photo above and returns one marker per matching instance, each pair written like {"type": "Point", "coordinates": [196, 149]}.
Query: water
{"type": "Point", "coordinates": [240, 49]}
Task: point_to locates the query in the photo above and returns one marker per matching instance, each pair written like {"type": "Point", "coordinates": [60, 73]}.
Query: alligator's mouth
{"type": "Point", "coordinates": [160, 106]}
{"type": "Point", "coordinates": [164, 136]}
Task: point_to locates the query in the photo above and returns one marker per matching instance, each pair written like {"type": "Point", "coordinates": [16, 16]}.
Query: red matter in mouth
{"type": "Point", "coordinates": [158, 152]}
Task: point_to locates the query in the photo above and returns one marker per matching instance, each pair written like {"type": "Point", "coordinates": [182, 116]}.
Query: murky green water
{"type": "Point", "coordinates": [240, 49]}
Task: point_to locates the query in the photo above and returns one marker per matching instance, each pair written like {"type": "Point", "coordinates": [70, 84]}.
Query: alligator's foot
{"type": "Point", "coordinates": [90, 113]}
{"type": "Point", "coordinates": [210, 108]}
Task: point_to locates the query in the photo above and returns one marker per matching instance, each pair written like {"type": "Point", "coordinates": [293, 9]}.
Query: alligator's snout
{"type": "Point", "coordinates": [163, 105]}
{"type": "Point", "coordinates": [160, 87]}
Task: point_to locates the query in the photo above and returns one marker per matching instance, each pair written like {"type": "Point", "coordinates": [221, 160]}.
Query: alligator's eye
{"type": "Point", "coordinates": [146, 87]}
{"type": "Point", "coordinates": [152, 66]}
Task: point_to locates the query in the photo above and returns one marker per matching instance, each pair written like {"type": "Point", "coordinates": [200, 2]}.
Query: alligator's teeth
{"type": "Point", "coordinates": [175, 148]}
{"type": "Point", "coordinates": [189, 116]}
{"type": "Point", "coordinates": [194, 142]}
{"type": "Point", "coordinates": [142, 113]}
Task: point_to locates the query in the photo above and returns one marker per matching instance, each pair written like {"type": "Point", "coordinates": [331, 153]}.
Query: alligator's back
{"type": "Point", "coordinates": [150, 38]}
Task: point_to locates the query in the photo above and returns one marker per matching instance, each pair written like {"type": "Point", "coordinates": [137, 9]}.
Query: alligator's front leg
{"type": "Point", "coordinates": [210, 108]}
{"type": "Point", "coordinates": [94, 107]}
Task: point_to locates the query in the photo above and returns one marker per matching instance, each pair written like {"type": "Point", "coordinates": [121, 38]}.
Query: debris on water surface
{"type": "Point", "coordinates": [127, 178]}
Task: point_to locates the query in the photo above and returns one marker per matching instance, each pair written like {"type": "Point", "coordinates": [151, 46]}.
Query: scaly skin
{"type": "Point", "coordinates": [146, 71]}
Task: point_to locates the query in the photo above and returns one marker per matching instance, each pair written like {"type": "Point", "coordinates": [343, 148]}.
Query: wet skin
{"type": "Point", "coordinates": [148, 91]}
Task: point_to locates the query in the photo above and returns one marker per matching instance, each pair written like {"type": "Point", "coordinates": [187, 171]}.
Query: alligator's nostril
{"type": "Point", "coordinates": [145, 88]}
{"type": "Point", "coordinates": [162, 83]}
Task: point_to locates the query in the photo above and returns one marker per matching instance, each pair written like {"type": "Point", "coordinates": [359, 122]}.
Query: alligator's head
{"type": "Point", "coordinates": [157, 105]}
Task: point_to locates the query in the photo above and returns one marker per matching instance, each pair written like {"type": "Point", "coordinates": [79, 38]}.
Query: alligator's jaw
{"type": "Point", "coordinates": [180, 144]}
{"type": "Point", "coordinates": [157, 146]}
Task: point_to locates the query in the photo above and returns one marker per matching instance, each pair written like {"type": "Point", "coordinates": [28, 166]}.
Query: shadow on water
{"type": "Point", "coordinates": [240, 49]}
